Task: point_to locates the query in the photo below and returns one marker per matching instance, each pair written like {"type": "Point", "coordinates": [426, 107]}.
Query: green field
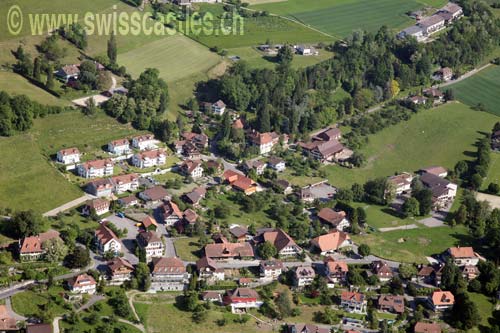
{"type": "Point", "coordinates": [28, 180]}
{"type": "Point", "coordinates": [17, 85]}
{"type": "Point", "coordinates": [413, 245]}
{"type": "Point", "coordinates": [483, 87]}
{"type": "Point", "coordinates": [494, 171]}
{"type": "Point", "coordinates": [339, 18]}
{"type": "Point", "coordinates": [438, 136]}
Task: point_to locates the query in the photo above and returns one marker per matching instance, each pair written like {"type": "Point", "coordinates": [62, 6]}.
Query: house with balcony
{"type": "Point", "coordinates": [124, 183]}
{"type": "Point", "coordinates": [96, 168]}
{"type": "Point", "coordinates": [242, 299]}
{"type": "Point", "coordinates": [151, 243]}
{"type": "Point", "coordinates": [119, 147]}
{"type": "Point", "coordinates": [107, 241]}
{"type": "Point", "coordinates": [118, 270]}
{"type": "Point", "coordinates": [354, 302]}
{"type": "Point", "coordinates": [82, 284]}
{"type": "Point", "coordinates": [144, 142]}
{"type": "Point", "coordinates": [68, 156]}
{"type": "Point", "coordinates": [169, 274]}
{"type": "Point", "coordinates": [149, 159]}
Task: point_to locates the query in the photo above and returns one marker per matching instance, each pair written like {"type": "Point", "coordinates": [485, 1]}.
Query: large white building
{"type": "Point", "coordinates": [82, 284]}
{"type": "Point", "coordinates": [119, 147]}
{"type": "Point", "coordinates": [96, 168]}
{"type": "Point", "coordinates": [143, 142]}
{"type": "Point", "coordinates": [149, 159]}
{"type": "Point", "coordinates": [68, 156]}
{"type": "Point", "coordinates": [151, 243]}
{"type": "Point", "coordinates": [107, 241]}
{"type": "Point", "coordinates": [124, 183]}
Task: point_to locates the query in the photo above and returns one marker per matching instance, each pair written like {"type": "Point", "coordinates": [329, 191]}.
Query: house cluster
{"type": "Point", "coordinates": [433, 178]}
{"type": "Point", "coordinates": [260, 165]}
{"type": "Point", "coordinates": [326, 147]}
{"type": "Point", "coordinates": [433, 94]}
{"type": "Point", "coordinates": [304, 50]}
{"type": "Point", "coordinates": [428, 26]}
{"type": "Point", "coordinates": [191, 145]}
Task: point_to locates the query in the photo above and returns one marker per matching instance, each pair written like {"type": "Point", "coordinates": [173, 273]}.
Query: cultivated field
{"type": "Point", "coordinates": [28, 180]}
{"type": "Point", "coordinates": [17, 85]}
{"type": "Point", "coordinates": [483, 87]}
{"type": "Point", "coordinates": [339, 18]}
{"type": "Point", "coordinates": [438, 136]}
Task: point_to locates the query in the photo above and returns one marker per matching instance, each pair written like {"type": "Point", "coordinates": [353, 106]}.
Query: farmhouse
{"type": "Point", "coordinates": [151, 243]}
{"type": "Point", "coordinates": [209, 271]}
{"type": "Point", "coordinates": [463, 256]}
{"type": "Point", "coordinates": [154, 194]}
{"type": "Point", "coordinates": [303, 276]}
{"type": "Point", "coordinates": [68, 156]}
{"type": "Point", "coordinates": [96, 168]}
{"type": "Point", "coordinates": [270, 269]}
{"type": "Point", "coordinates": [171, 213]}
{"type": "Point", "coordinates": [336, 270]}
{"type": "Point", "coordinates": [192, 169]}
{"type": "Point", "coordinates": [118, 270]}
{"type": "Point", "coordinates": [239, 233]}
{"type": "Point", "coordinates": [451, 11]}
{"type": "Point", "coordinates": [32, 248]}
{"type": "Point", "coordinates": [119, 147]}
{"type": "Point", "coordinates": [240, 182]}
{"type": "Point", "coordinates": [169, 274]}
{"type": "Point", "coordinates": [391, 303]}
{"type": "Point", "coordinates": [100, 188]}
{"type": "Point", "coordinates": [148, 159]}
{"type": "Point", "coordinates": [401, 183]}
{"type": "Point", "coordinates": [222, 251]}
{"type": "Point", "coordinates": [331, 242]}
{"type": "Point", "coordinates": [284, 244]}
{"type": "Point", "coordinates": [441, 300]}
{"type": "Point", "coordinates": [242, 299]}
{"type": "Point", "coordinates": [106, 240]}
{"type": "Point", "coordinates": [328, 134]}
{"type": "Point", "coordinates": [336, 220]}
{"type": "Point", "coordinates": [353, 302]}
{"type": "Point", "coordinates": [82, 284]}
{"type": "Point", "coordinates": [124, 183]}
{"type": "Point", "coordinates": [143, 142]}
{"type": "Point", "coordinates": [96, 206]}
{"type": "Point", "coordinates": [326, 151]}
{"type": "Point", "coordinates": [434, 93]}
{"type": "Point", "coordinates": [443, 191]}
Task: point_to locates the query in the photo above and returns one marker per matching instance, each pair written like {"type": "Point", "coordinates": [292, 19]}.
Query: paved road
{"type": "Point", "coordinates": [129, 240]}
{"type": "Point", "coordinates": [12, 313]}
{"type": "Point", "coordinates": [77, 202]}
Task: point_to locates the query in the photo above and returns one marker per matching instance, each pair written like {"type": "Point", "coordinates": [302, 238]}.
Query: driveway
{"type": "Point", "coordinates": [128, 240]}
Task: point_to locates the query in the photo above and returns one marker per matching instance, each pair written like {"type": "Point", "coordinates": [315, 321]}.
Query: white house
{"type": "Point", "coordinates": [169, 274]}
{"type": "Point", "coordinates": [151, 243]}
{"type": "Point", "coordinates": [96, 168]}
{"type": "Point", "coordinates": [97, 206]}
{"type": "Point", "coordinates": [276, 163]}
{"type": "Point", "coordinates": [149, 159]}
{"type": "Point", "coordinates": [401, 183]}
{"type": "Point", "coordinates": [124, 183]}
{"type": "Point", "coordinates": [264, 141]}
{"type": "Point", "coordinates": [463, 256]}
{"type": "Point", "coordinates": [432, 24]}
{"type": "Point", "coordinates": [107, 241]}
{"type": "Point", "coordinates": [68, 156]}
{"type": "Point", "coordinates": [270, 269]}
{"type": "Point", "coordinates": [304, 276]}
{"type": "Point", "coordinates": [353, 302]}
{"type": "Point", "coordinates": [192, 168]}
{"type": "Point", "coordinates": [209, 271]}
{"type": "Point", "coordinates": [143, 142]}
{"type": "Point", "coordinates": [242, 299]}
{"type": "Point", "coordinates": [218, 108]}
{"type": "Point", "coordinates": [100, 188]}
{"type": "Point", "coordinates": [441, 300]}
{"type": "Point", "coordinates": [82, 284]}
{"type": "Point", "coordinates": [119, 147]}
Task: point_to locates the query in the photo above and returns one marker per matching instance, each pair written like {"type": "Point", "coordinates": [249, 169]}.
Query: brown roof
{"type": "Point", "coordinates": [125, 179]}
{"type": "Point", "coordinates": [271, 264]}
{"type": "Point", "coordinates": [151, 154]}
{"type": "Point", "coordinates": [71, 69]}
{"type": "Point", "coordinates": [462, 252]}
{"type": "Point", "coordinates": [331, 241]}
{"type": "Point", "coordinates": [261, 138]}
{"type": "Point", "coordinates": [381, 268]}
{"type": "Point", "coordinates": [435, 170]}
{"type": "Point", "coordinates": [427, 328]}
{"type": "Point", "coordinates": [243, 183]}
{"type": "Point", "coordinates": [34, 244]}
{"type": "Point", "coordinates": [278, 238]}
{"type": "Point", "coordinates": [243, 293]}
{"type": "Point", "coordinates": [307, 328]}
{"type": "Point", "coordinates": [101, 183]}
{"type": "Point", "coordinates": [104, 234]}
{"type": "Point", "coordinates": [231, 176]}
{"type": "Point", "coordinates": [81, 280]}
{"type": "Point", "coordinates": [396, 302]}
{"type": "Point", "coordinates": [171, 208]}
{"type": "Point", "coordinates": [147, 237]}
{"type": "Point", "coordinates": [69, 151]}
{"type": "Point", "coordinates": [120, 142]}
{"type": "Point", "coordinates": [207, 262]}
{"type": "Point", "coordinates": [238, 231]}
{"type": "Point", "coordinates": [238, 124]}
{"type": "Point", "coordinates": [330, 216]}
{"type": "Point", "coordinates": [329, 147]}
{"type": "Point", "coordinates": [229, 250]}
{"type": "Point", "coordinates": [196, 195]}
{"type": "Point", "coordinates": [189, 165]}
{"type": "Point", "coordinates": [98, 204]}
{"type": "Point", "coordinates": [304, 271]}
{"type": "Point", "coordinates": [442, 298]}
{"type": "Point", "coordinates": [144, 137]}
{"type": "Point", "coordinates": [128, 200]}
{"type": "Point", "coordinates": [337, 266]}
{"type": "Point", "coordinates": [352, 296]}
{"type": "Point", "coordinates": [39, 328]}
{"type": "Point", "coordinates": [156, 193]}
{"type": "Point", "coordinates": [149, 221]}
{"type": "Point", "coordinates": [97, 164]}
{"type": "Point", "coordinates": [190, 216]}
{"type": "Point", "coordinates": [170, 265]}
{"type": "Point", "coordinates": [118, 263]}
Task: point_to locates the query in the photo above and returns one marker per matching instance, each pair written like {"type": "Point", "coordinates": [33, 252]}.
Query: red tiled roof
{"type": "Point", "coordinates": [352, 296]}
{"type": "Point", "coordinates": [330, 216]}
{"type": "Point", "coordinates": [151, 154]}
{"type": "Point", "coordinates": [69, 151]}
{"type": "Point", "coordinates": [331, 241]}
{"type": "Point", "coordinates": [105, 235]}
{"type": "Point", "coordinates": [120, 142]}
{"type": "Point", "coordinates": [229, 250]}
{"type": "Point", "coordinates": [125, 179]}
{"type": "Point", "coordinates": [149, 221]}
{"type": "Point", "coordinates": [170, 265]}
{"type": "Point", "coordinates": [462, 252]}
{"type": "Point", "coordinates": [442, 298]}
{"type": "Point", "coordinates": [82, 280]}
{"type": "Point", "coordinates": [97, 164]}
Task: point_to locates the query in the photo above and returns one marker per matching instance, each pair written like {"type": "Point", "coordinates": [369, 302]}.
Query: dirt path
{"type": "Point", "coordinates": [69, 205]}
{"type": "Point", "coordinates": [402, 227]}
{"type": "Point", "coordinates": [465, 76]}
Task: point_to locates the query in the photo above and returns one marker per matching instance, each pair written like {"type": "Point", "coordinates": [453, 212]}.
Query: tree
{"type": "Point", "coordinates": [358, 159]}
{"type": "Point", "coordinates": [142, 275]}
{"type": "Point", "coordinates": [407, 271]}
{"type": "Point", "coordinates": [112, 49]}
{"type": "Point", "coordinates": [24, 224]}
{"type": "Point", "coordinates": [90, 108]}
{"type": "Point", "coordinates": [424, 198]}
{"type": "Point", "coordinates": [394, 88]}
{"type": "Point", "coordinates": [476, 181]}
{"type": "Point", "coordinates": [267, 250]}
{"type": "Point", "coordinates": [461, 168]}
{"type": "Point", "coordinates": [55, 250]}
{"type": "Point", "coordinates": [285, 55]}
{"type": "Point", "coordinates": [464, 313]}
{"type": "Point", "coordinates": [50, 78]}
{"type": "Point", "coordinates": [364, 250]}
{"type": "Point", "coordinates": [375, 191]}
{"type": "Point", "coordinates": [79, 258]}
{"type": "Point", "coordinates": [37, 69]}
{"type": "Point", "coordinates": [493, 188]}
{"type": "Point", "coordinates": [411, 207]}
{"type": "Point", "coordinates": [284, 304]}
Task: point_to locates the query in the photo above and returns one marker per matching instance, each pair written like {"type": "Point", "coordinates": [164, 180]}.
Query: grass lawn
{"type": "Point", "coordinates": [296, 180]}
{"type": "Point", "coordinates": [485, 308]}
{"type": "Point", "coordinates": [29, 303]}
{"type": "Point", "coordinates": [483, 87]}
{"type": "Point", "coordinates": [440, 136]}
{"type": "Point", "coordinates": [175, 57]}
{"type": "Point", "coordinates": [15, 84]}
{"type": "Point", "coordinates": [340, 17]}
{"type": "Point", "coordinates": [494, 171]}
{"type": "Point", "coordinates": [165, 317]}
{"type": "Point", "coordinates": [417, 244]}
{"type": "Point", "coordinates": [382, 217]}
{"type": "Point", "coordinates": [187, 248]}
{"type": "Point", "coordinates": [256, 30]}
